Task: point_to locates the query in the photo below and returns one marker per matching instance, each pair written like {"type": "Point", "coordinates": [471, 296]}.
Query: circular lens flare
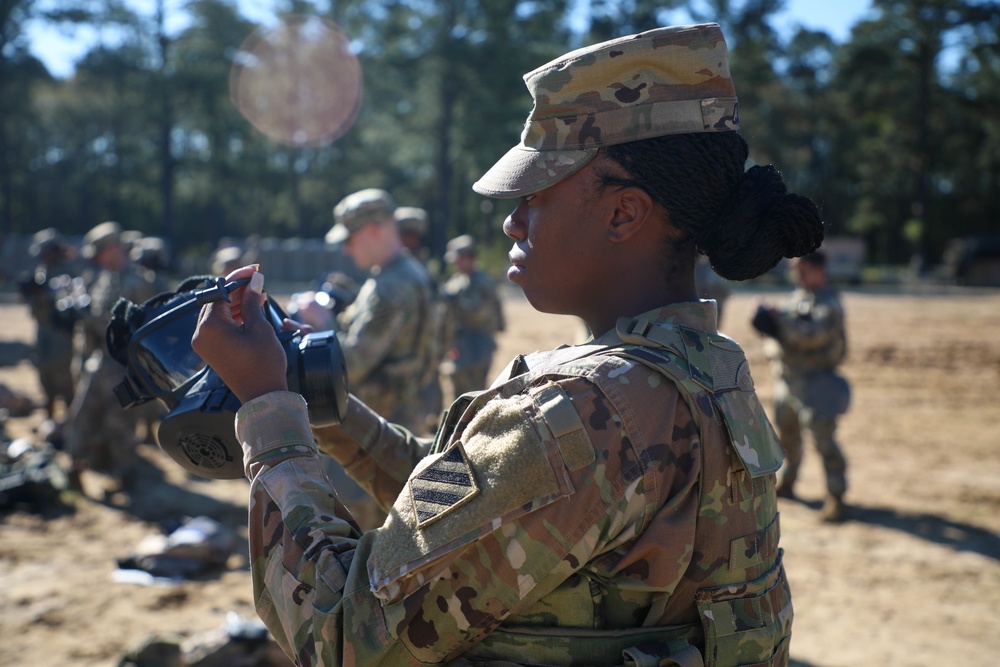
{"type": "Point", "coordinates": [298, 82]}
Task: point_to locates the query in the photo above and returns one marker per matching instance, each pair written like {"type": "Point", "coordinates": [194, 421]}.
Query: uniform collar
{"type": "Point", "coordinates": [701, 315]}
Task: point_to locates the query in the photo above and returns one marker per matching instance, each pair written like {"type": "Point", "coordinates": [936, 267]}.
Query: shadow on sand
{"type": "Point", "coordinates": [13, 352]}
{"type": "Point", "coordinates": [792, 662]}
{"type": "Point", "coordinates": [940, 530]}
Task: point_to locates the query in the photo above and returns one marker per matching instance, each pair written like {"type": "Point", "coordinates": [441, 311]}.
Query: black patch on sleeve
{"type": "Point", "coordinates": [443, 485]}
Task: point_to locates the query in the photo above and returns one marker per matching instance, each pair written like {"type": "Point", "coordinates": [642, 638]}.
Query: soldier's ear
{"type": "Point", "coordinates": [633, 209]}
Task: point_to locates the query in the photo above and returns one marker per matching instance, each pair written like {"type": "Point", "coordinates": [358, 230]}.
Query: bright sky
{"type": "Point", "coordinates": [59, 51]}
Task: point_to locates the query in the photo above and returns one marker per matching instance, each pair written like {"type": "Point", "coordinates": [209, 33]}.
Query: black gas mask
{"type": "Point", "coordinates": [153, 342]}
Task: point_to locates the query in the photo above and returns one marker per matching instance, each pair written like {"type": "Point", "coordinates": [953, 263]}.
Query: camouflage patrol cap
{"type": "Point", "coordinates": [460, 245]}
{"type": "Point", "coordinates": [411, 219]}
{"type": "Point", "coordinates": [356, 210]}
{"type": "Point", "coordinates": [131, 238]}
{"type": "Point", "coordinates": [665, 81]}
{"type": "Point", "coordinates": [49, 240]}
{"type": "Point", "coordinates": [100, 237]}
{"type": "Point", "coordinates": [151, 252]}
{"type": "Point", "coordinates": [226, 260]}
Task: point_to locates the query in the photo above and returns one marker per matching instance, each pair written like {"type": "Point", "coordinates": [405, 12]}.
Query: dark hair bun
{"type": "Point", "coordinates": [761, 224]}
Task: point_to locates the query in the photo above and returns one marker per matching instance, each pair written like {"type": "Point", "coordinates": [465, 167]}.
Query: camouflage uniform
{"type": "Point", "coordinates": [384, 339]}
{"type": "Point", "coordinates": [477, 316]}
{"type": "Point", "coordinates": [611, 503]}
{"type": "Point", "coordinates": [386, 332]}
{"type": "Point", "coordinates": [53, 351]}
{"type": "Point", "coordinates": [99, 433]}
{"type": "Point", "coordinates": [810, 344]}
{"type": "Point", "coordinates": [54, 321]}
{"type": "Point", "coordinates": [413, 226]}
{"type": "Point", "coordinates": [152, 254]}
{"type": "Point", "coordinates": [599, 500]}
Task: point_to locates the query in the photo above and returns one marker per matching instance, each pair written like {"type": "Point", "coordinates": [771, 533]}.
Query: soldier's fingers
{"type": "Point", "coordinates": [242, 272]}
{"type": "Point", "coordinates": [289, 324]}
{"type": "Point", "coordinates": [250, 302]}
{"type": "Point", "coordinates": [215, 324]}
{"type": "Point", "coordinates": [254, 291]}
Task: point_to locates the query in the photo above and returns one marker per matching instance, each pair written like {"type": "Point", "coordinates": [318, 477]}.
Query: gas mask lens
{"type": "Point", "coordinates": [160, 352]}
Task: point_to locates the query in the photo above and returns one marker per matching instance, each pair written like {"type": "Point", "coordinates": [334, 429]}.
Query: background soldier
{"type": "Point", "coordinates": [384, 333]}
{"type": "Point", "coordinates": [226, 260]}
{"type": "Point", "coordinates": [99, 434]}
{"type": "Point", "coordinates": [47, 294]}
{"type": "Point", "coordinates": [413, 225]}
{"type": "Point", "coordinates": [153, 254]}
{"type": "Point", "coordinates": [807, 343]}
{"type": "Point", "coordinates": [476, 316]}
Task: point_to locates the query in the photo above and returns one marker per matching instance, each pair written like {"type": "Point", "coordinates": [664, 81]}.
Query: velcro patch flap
{"type": "Point", "coordinates": [564, 422]}
{"type": "Point", "coordinates": [502, 470]}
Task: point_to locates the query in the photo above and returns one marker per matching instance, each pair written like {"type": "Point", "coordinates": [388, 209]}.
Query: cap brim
{"type": "Point", "coordinates": [337, 234]}
{"type": "Point", "coordinates": [523, 171]}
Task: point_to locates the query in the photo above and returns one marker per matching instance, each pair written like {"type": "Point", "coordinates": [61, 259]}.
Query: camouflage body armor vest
{"type": "Point", "coordinates": [741, 594]}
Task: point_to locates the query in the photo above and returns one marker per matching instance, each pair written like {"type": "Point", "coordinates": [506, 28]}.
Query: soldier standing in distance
{"type": "Point", "coordinates": [606, 503]}
{"type": "Point", "coordinates": [225, 260]}
{"type": "Point", "coordinates": [99, 434]}
{"type": "Point", "coordinates": [413, 225]}
{"type": "Point", "coordinates": [477, 317]}
{"type": "Point", "coordinates": [153, 254]}
{"type": "Point", "coordinates": [384, 332]}
{"type": "Point", "coordinates": [54, 320]}
{"type": "Point", "coordinates": [807, 343]}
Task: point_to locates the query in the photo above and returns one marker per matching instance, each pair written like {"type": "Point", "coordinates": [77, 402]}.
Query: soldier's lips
{"type": "Point", "coordinates": [516, 268]}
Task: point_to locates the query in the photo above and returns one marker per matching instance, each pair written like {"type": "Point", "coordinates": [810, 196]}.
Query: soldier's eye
{"type": "Point", "coordinates": [527, 198]}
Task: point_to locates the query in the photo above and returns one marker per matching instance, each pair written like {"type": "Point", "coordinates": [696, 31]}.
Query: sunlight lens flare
{"type": "Point", "coordinates": [297, 82]}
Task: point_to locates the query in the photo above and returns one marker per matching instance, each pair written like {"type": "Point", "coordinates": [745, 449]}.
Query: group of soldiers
{"type": "Point", "coordinates": [410, 338]}
{"type": "Point", "coordinates": [412, 341]}
{"type": "Point", "coordinates": [71, 303]}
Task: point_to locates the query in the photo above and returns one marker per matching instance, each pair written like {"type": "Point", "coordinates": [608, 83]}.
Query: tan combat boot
{"type": "Point", "coordinates": [784, 490]}
{"type": "Point", "coordinates": [834, 510]}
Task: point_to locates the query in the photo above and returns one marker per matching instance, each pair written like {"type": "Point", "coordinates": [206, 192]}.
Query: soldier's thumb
{"type": "Point", "coordinates": [253, 299]}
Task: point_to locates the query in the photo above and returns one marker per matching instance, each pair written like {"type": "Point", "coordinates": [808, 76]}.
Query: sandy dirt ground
{"type": "Point", "coordinates": [912, 578]}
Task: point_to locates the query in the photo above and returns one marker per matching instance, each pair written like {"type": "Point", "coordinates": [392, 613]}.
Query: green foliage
{"type": "Point", "coordinates": [894, 133]}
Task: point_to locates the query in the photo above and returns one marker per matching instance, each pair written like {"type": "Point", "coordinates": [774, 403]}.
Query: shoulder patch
{"type": "Point", "coordinates": [444, 485]}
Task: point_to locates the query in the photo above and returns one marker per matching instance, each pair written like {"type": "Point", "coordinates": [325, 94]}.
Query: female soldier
{"type": "Point", "coordinates": [608, 503]}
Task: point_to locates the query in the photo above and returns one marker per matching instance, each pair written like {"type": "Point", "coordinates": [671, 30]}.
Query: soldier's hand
{"type": "Point", "coordinates": [288, 324]}
{"type": "Point", "coordinates": [238, 342]}
{"type": "Point", "coordinates": [765, 321]}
